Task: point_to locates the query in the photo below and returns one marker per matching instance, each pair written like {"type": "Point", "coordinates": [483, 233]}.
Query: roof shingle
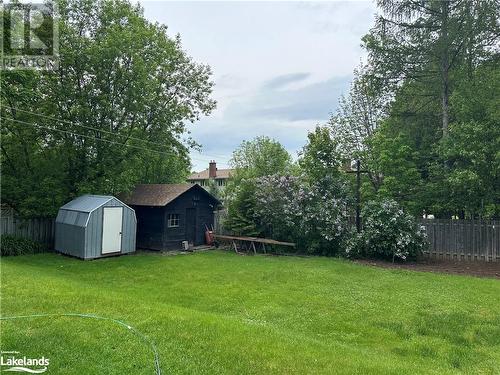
{"type": "Point", "coordinates": [155, 194]}
{"type": "Point", "coordinates": [203, 175]}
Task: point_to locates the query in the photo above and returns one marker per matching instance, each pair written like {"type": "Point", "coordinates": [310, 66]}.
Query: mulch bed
{"type": "Point", "coordinates": [479, 269]}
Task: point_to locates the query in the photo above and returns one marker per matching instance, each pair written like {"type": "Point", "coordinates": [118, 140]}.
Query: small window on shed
{"type": "Point", "coordinates": [173, 220]}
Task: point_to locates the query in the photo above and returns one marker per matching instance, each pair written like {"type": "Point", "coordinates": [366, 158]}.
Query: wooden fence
{"type": "Point", "coordinates": [36, 229]}
{"type": "Point", "coordinates": [473, 240]}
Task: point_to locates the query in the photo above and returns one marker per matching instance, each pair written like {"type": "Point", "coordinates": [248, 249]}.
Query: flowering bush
{"type": "Point", "coordinates": [311, 214]}
{"type": "Point", "coordinates": [278, 206]}
{"type": "Point", "coordinates": [388, 232]}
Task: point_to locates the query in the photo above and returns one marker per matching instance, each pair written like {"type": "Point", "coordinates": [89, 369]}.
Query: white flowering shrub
{"type": "Point", "coordinates": [388, 232]}
{"type": "Point", "coordinates": [314, 215]}
{"type": "Point", "coordinates": [277, 206]}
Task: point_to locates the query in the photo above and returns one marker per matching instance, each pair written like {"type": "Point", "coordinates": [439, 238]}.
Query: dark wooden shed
{"type": "Point", "coordinates": [168, 214]}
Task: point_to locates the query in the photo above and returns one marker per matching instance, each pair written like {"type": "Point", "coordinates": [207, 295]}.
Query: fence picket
{"type": "Point", "coordinates": [474, 240]}
{"type": "Point", "coordinates": [36, 229]}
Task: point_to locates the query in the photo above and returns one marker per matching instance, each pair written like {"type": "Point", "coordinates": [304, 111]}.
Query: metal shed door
{"type": "Point", "coordinates": [112, 230]}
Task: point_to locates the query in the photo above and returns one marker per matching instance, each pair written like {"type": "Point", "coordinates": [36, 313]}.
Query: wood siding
{"type": "Point", "coordinates": [153, 231]}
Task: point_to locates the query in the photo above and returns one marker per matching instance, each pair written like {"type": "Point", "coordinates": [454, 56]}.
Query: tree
{"type": "Point", "coordinates": [321, 156]}
{"type": "Point", "coordinates": [472, 176]}
{"type": "Point", "coordinates": [452, 176]}
{"type": "Point", "coordinates": [259, 157]}
{"type": "Point", "coordinates": [112, 115]}
{"type": "Point", "coordinates": [402, 180]}
{"type": "Point", "coordinates": [240, 217]}
{"type": "Point", "coordinates": [426, 40]}
{"type": "Point", "coordinates": [358, 117]}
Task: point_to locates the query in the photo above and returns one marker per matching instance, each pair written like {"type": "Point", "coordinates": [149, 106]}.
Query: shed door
{"type": "Point", "coordinates": [112, 230]}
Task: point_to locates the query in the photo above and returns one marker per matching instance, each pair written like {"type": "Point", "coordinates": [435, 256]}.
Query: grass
{"type": "Point", "coordinates": [218, 312]}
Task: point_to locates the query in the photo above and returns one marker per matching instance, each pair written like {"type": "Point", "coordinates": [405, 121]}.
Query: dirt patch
{"type": "Point", "coordinates": [478, 269]}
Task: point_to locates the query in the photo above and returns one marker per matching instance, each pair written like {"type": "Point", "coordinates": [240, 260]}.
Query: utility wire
{"type": "Point", "coordinates": [107, 131]}
{"type": "Point", "coordinates": [86, 126]}
{"type": "Point", "coordinates": [99, 139]}
{"type": "Point", "coordinates": [87, 136]}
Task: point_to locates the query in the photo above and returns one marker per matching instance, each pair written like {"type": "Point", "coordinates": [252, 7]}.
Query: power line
{"type": "Point", "coordinates": [87, 126]}
{"type": "Point", "coordinates": [86, 136]}
{"type": "Point", "coordinates": [100, 139]}
{"type": "Point", "coordinates": [109, 132]}
{"type": "Point", "coordinates": [208, 158]}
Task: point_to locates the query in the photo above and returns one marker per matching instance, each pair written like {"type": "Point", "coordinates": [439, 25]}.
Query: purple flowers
{"type": "Point", "coordinates": [311, 214]}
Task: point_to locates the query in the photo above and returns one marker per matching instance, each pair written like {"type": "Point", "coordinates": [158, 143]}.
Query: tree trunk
{"type": "Point", "coordinates": [445, 104]}
{"type": "Point", "coordinates": [445, 65]}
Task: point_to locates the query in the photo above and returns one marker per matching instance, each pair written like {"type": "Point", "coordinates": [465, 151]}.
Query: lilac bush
{"type": "Point", "coordinates": [388, 232]}
{"type": "Point", "coordinates": [277, 205]}
{"type": "Point", "coordinates": [313, 215]}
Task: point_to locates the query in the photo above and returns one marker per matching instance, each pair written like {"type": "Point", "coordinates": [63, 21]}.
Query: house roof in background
{"type": "Point", "coordinates": [203, 175]}
{"type": "Point", "coordinates": [159, 194]}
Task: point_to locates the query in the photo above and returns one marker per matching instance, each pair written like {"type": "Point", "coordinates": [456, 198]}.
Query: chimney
{"type": "Point", "coordinates": [212, 169]}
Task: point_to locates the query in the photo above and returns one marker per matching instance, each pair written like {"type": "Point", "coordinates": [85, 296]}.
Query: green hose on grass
{"type": "Point", "coordinates": [150, 343]}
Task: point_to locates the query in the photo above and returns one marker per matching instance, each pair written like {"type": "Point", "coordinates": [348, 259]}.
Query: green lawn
{"type": "Point", "coordinates": [217, 312]}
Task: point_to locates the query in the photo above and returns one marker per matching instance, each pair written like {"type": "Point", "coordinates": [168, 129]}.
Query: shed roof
{"type": "Point", "coordinates": [158, 194]}
{"type": "Point", "coordinates": [87, 203]}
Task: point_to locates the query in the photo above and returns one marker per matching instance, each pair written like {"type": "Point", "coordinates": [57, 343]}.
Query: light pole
{"type": "Point", "coordinates": [358, 172]}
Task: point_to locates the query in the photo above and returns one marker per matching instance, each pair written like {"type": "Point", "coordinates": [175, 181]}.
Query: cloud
{"type": "Point", "coordinates": [310, 102]}
{"type": "Point", "coordinates": [286, 115]}
{"type": "Point", "coordinates": [279, 67]}
{"type": "Point", "coordinates": [284, 80]}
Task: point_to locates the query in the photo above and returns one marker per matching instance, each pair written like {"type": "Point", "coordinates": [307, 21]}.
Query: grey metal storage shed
{"type": "Point", "coordinates": [95, 226]}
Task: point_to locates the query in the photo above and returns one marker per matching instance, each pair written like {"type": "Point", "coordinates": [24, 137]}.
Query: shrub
{"type": "Point", "coordinates": [311, 214]}
{"type": "Point", "coordinates": [388, 233]}
{"type": "Point", "coordinates": [12, 245]}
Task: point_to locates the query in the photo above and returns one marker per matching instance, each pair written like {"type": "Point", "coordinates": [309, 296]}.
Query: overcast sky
{"type": "Point", "coordinates": [279, 67]}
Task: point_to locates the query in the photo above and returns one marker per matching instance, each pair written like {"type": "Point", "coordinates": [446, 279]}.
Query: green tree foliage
{"type": "Point", "coordinates": [427, 41]}
{"type": "Point", "coordinates": [433, 70]}
{"type": "Point", "coordinates": [241, 217]}
{"type": "Point", "coordinates": [401, 178]}
{"type": "Point", "coordinates": [457, 175]}
{"type": "Point", "coordinates": [321, 156]}
{"type": "Point", "coordinates": [259, 157]}
{"type": "Point", "coordinates": [471, 177]}
{"type": "Point", "coordinates": [121, 80]}
{"type": "Point", "coordinates": [213, 189]}
{"type": "Point", "coordinates": [358, 116]}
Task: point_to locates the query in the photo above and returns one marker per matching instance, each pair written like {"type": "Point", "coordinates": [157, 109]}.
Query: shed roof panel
{"type": "Point", "coordinates": [72, 217]}
{"type": "Point", "coordinates": [87, 203]}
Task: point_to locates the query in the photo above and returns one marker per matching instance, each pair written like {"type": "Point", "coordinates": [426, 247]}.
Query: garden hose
{"type": "Point", "coordinates": [150, 343]}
